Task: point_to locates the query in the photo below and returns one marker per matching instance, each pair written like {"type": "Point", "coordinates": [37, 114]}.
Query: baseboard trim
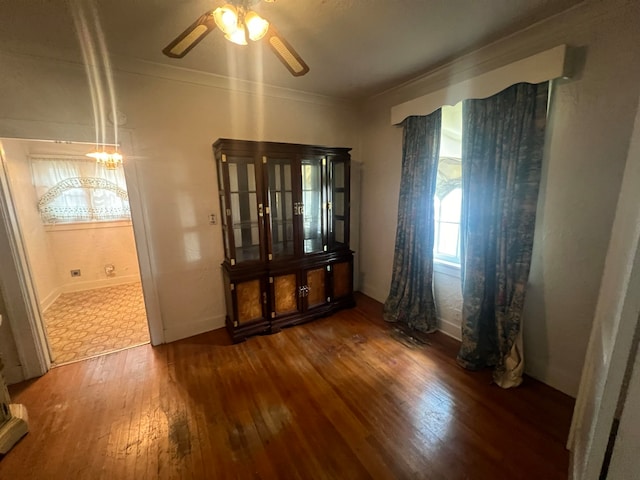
{"type": "Point", "coordinates": [82, 286]}
{"type": "Point", "coordinates": [190, 329]}
{"type": "Point", "coordinates": [450, 329]}
{"type": "Point", "coordinates": [105, 282]}
{"type": "Point", "coordinates": [373, 292]}
{"type": "Point", "coordinates": [554, 377]}
{"type": "Point", "coordinates": [49, 299]}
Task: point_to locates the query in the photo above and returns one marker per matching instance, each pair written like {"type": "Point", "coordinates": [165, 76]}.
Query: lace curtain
{"type": "Point", "coordinates": [75, 189]}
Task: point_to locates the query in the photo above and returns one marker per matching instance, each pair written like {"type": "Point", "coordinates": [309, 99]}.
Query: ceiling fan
{"type": "Point", "coordinates": [238, 23]}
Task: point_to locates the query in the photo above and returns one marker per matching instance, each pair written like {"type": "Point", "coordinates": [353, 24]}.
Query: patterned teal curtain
{"type": "Point", "coordinates": [410, 299]}
{"type": "Point", "coordinates": [502, 147]}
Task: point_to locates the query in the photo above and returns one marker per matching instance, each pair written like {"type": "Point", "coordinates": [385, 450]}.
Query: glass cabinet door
{"type": "Point", "coordinates": [311, 208]}
{"type": "Point", "coordinates": [339, 208]}
{"type": "Point", "coordinates": [223, 209]}
{"type": "Point", "coordinates": [280, 201]}
{"type": "Point", "coordinates": [245, 210]}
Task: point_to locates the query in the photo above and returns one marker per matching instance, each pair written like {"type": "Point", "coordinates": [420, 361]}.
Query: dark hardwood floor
{"type": "Point", "coordinates": [344, 397]}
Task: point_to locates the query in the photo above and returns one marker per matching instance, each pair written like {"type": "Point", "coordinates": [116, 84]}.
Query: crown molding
{"type": "Point", "coordinates": [196, 77]}
{"type": "Point", "coordinates": [123, 65]}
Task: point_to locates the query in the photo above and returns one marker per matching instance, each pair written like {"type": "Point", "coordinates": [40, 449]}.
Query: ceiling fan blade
{"type": "Point", "coordinates": [191, 36]}
{"type": "Point", "coordinates": [285, 52]}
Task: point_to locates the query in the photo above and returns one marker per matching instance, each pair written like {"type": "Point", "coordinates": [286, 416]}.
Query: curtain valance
{"type": "Point", "coordinates": [537, 68]}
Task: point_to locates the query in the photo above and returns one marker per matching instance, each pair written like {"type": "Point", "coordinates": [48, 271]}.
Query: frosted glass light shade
{"type": "Point", "coordinates": [235, 24]}
{"type": "Point", "coordinates": [226, 18]}
{"type": "Point", "coordinates": [256, 25]}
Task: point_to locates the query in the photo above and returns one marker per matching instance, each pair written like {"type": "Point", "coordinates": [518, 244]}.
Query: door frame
{"type": "Point", "coordinates": [25, 317]}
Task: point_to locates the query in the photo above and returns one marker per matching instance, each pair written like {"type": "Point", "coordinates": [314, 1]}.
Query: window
{"type": "Point", "coordinates": [76, 189]}
{"type": "Point", "coordinates": [447, 226]}
{"type": "Point", "coordinates": [447, 202]}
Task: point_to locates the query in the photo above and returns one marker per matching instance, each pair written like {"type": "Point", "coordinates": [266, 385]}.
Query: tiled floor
{"type": "Point", "coordinates": [94, 322]}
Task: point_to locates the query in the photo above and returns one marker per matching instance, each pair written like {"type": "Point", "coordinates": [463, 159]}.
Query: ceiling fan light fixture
{"type": "Point", "coordinates": [226, 18]}
{"type": "Point", "coordinates": [256, 25]}
{"type": "Point", "coordinates": [238, 24]}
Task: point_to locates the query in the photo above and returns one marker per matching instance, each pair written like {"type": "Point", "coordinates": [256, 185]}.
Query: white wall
{"type": "Point", "coordinates": [611, 343]}
{"type": "Point", "coordinates": [590, 124]}
{"type": "Point", "coordinates": [172, 122]}
{"type": "Point", "coordinates": [89, 248]}
{"type": "Point", "coordinates": [592, 119]}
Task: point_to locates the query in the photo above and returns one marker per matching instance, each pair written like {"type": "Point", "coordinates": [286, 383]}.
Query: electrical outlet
{"type": "Point", "coordinates": [75, 273]}
{"type": "Point", "coordinates": [110, 270]}
{"type": "Point", "coordinates": [212, 219]}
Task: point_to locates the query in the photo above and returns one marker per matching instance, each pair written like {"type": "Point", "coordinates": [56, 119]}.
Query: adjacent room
{"type": "Point", "coordinates": [80, 247]}
{"type": "Point", "coordinates": [332, 239]}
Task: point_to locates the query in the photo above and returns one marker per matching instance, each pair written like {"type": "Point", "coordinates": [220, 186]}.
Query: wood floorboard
{"type": "Point", "coordinates": [344, 397]}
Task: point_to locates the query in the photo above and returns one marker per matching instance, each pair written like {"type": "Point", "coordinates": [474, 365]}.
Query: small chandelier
{"type": "Point", "coordinates": [236, 22]}
{"type": "Point", "coordinates": [109, 160]}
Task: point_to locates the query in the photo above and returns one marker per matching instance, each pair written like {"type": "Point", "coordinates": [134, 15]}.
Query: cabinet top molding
{"type": "Point", "coordinates": [259, 146]}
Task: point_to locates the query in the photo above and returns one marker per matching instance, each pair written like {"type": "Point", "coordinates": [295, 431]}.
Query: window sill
{"type": "Point", "coordinates": [446, 268]}
{"type": "Point", "coordinates": [55, 227]}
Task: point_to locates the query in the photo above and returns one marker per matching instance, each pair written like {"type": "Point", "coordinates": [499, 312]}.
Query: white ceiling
{"type": "Point", "coordinates": [354, 48]}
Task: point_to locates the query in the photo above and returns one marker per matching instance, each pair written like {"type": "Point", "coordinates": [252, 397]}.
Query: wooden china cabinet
{"type": "Point", "coordinates": [285, 227]}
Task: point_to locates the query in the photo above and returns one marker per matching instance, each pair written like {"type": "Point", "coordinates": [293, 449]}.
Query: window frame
{"type": "Point", "coordinates": [437, 222]}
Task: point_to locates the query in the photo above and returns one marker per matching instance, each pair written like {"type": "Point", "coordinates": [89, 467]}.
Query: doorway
{"type": "Point", "coordinates": [86, 274]}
